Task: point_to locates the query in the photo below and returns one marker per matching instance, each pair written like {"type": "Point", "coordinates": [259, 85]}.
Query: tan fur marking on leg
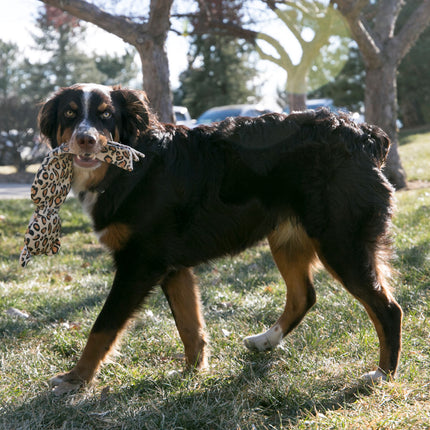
{"type": "Point", "coordinates": [294, 256]}
{"type": "Point", "coordinates": [383, 272]}
{"type": "Point", "coordinates": [96, 350]}
{"type": "Point", "coordinates": [98, 346]}
{"type": "Point", "coordinates": [114, 236]}
{"type": "Point", "coordinates": [184, 299]}
{"type": "Point", "coordinates": [384, 346]}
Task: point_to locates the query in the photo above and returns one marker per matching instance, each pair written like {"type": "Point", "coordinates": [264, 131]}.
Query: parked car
{"type": "Point", "coordinates": [182, 116]}
{"type": "Point", "coordinates": [219, 113]}
{"type": "Point", "coordinates": [328, 103]}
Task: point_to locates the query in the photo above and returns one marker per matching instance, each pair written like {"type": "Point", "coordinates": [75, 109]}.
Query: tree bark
{"type": "Point", "coordinates": [383, 49]}
{"type": "Point", "coordinates": [148, 38]}
{"type": "Point", "coordinates": [380, 101]}
{"type": "Point", "coordinates": [297, 85]}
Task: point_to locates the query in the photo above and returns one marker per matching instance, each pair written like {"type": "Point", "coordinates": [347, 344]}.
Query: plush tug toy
{"type": "Point", "coordinates": [50, 188]}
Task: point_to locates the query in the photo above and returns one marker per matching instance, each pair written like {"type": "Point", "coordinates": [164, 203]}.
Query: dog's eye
{"type": "Point", "coordinates": [105, 115]}
{"type": "Point", "coordinates": [69, 113]}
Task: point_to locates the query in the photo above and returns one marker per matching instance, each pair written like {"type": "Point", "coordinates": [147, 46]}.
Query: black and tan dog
{"type": "Point", "coordinates": [310, 182]}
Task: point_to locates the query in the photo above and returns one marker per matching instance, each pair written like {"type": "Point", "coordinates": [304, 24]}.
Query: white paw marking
{"type": "Point", "coordinates": [375, 376]}
{"type": "Point", "coordinates": [56, 380]}
{"type": "Point", "coordinates": [266, 340]}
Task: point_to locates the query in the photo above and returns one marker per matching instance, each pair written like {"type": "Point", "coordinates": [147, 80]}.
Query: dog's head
{"type": "Point", "coordinates": [88, 115]}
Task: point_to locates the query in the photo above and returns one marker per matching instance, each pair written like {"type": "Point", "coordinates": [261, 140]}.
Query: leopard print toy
{"type": "Point", "coordinates": [50, 188]}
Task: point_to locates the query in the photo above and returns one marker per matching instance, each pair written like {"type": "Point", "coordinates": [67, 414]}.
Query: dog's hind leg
{"type": "Point", "coordinates": [183, 295]}
{"type": "Point", "coordinates": [294, 255]}
{"type": "Point", "coordinates": [361, 268]}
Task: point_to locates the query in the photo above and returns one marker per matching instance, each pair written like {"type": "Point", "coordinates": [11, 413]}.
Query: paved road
{"type": "Point", "coordinates": [14, 191]}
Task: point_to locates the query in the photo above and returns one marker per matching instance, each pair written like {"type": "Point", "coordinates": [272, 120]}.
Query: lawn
{"type": "Point", "coordinates": [312, 381]}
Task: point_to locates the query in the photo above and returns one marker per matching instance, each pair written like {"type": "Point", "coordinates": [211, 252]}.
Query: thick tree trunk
{"type": "Point", "coordinates": [383, 47]}
{"type": "Point", "coordinates": [155, 70]}
{"type": "Point", "coordinates": [296, 101]}
{"type": "Point", "coordinates": [297, 84]}
{"type": "Point", "coordinates": [381, 109]}
{"type": "Point", "coordinates": [148, 38]}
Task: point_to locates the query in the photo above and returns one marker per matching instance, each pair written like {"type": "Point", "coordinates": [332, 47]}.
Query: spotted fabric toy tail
{"type": "Point", "coordinates": [50, 188]}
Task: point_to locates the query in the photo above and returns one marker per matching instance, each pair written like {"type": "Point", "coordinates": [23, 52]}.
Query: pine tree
{"type": "Point", "coordinates": [218, 75]}
{"type": "Point", "coordinates": [18, 111]}
{"type": "Point", "coordinates": [61, 43]}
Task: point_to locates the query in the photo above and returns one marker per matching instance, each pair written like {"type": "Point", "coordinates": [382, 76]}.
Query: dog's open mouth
{"type": "Point", "coordinates": [86, 160]}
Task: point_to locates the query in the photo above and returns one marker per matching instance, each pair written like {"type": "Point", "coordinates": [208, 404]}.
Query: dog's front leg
{"type": "Point", "coordinates": [128, 292]}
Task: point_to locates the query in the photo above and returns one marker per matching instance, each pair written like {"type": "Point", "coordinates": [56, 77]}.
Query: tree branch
{"type": "Point", "coordinates": [386, 16]}
{"type": "Point", "coordinates": [411, 30]}
{"type": "Point", "coordinates": [284, 60]}
{"type": "Point", "coordinates": [370, 46]}
{"type": "Point", "coordinates": [159, 22]}
{"type": "Point", "coordinates": [121, 26]}
{"type": "Point", "coordinates": [351, 8]}
{"type": "Point", "coordinates": [290, 23]}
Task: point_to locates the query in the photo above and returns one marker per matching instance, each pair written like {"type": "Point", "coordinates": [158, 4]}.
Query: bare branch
{"type": "Point", "coordinates": [121, 26]}
{"type": "Point", "coordinates": [351, 9]}
{"type": "Point", "coordinates": [370, 46]}
{"type": "Point", "coordinates": [289, 22]}
{"type": "Point", "coordinates": [411, 30]}
{"type": "Point", "coordinates": [284, 60]}
{"type": "Point", "coordinates": [386, 17]}
{"type": "Point", "coordinates": [159, 22]}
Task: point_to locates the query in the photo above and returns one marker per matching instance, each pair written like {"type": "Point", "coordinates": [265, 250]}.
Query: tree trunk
{"type": "Point", "coordinates": [148, 38]}
{"type": "Point", "coordinates": [383, 47]}
{"type": "Point", "coordinates": [297, 84]}
{"type": "Point", "coordinates": [155, 70]}
{"type": "Point", "coordinates": [296, 102]}
{"type": "Point", "coordinates": [380, 102]}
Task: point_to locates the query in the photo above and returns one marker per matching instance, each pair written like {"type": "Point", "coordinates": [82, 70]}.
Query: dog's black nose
{"type": "Point", "coordinates": [86, 142]}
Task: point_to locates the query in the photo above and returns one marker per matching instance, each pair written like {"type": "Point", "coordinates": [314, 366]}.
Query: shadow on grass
{"type": "Point", "coordinates": [250, 399]}
{"type": "Point", "coordinates": [416, 255]}
{"type": "Point", "coordinates": [414, 269]}
{"type": "Point", "coordinates": [239, 273]}
{"type": "Point", "coordinates": [50, 312]}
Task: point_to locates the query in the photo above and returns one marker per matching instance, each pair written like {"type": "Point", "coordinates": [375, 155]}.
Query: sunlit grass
{"type": "Point", "coordinates": [310, 382]}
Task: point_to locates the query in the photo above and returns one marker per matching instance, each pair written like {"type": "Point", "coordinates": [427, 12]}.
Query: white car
{"type": "Point", "coordinates": [182, 116]}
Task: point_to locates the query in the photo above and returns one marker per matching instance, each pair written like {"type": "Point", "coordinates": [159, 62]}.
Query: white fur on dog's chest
{"type": "Point", "coordinates": [79, 187]}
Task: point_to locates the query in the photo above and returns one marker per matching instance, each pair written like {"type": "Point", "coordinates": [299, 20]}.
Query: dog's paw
{"type": "Point", "coordinates": [263, 341]}
{"type": "Point", "coordinates": [66, 383]}
{"type": "Point", "coordinates": [375, 376]}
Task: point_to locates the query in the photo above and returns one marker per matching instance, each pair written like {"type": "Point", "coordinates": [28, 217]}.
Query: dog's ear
{"type": "Point", "coordinates": [48, 120]}
{"type": "Point", "coordinates": [135, 114]}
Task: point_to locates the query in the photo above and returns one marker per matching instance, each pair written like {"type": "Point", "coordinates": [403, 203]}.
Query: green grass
{"type": "Point", "coordinates": [310, 382]}
{"type": "Point", "coordinates": [415, 151]}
